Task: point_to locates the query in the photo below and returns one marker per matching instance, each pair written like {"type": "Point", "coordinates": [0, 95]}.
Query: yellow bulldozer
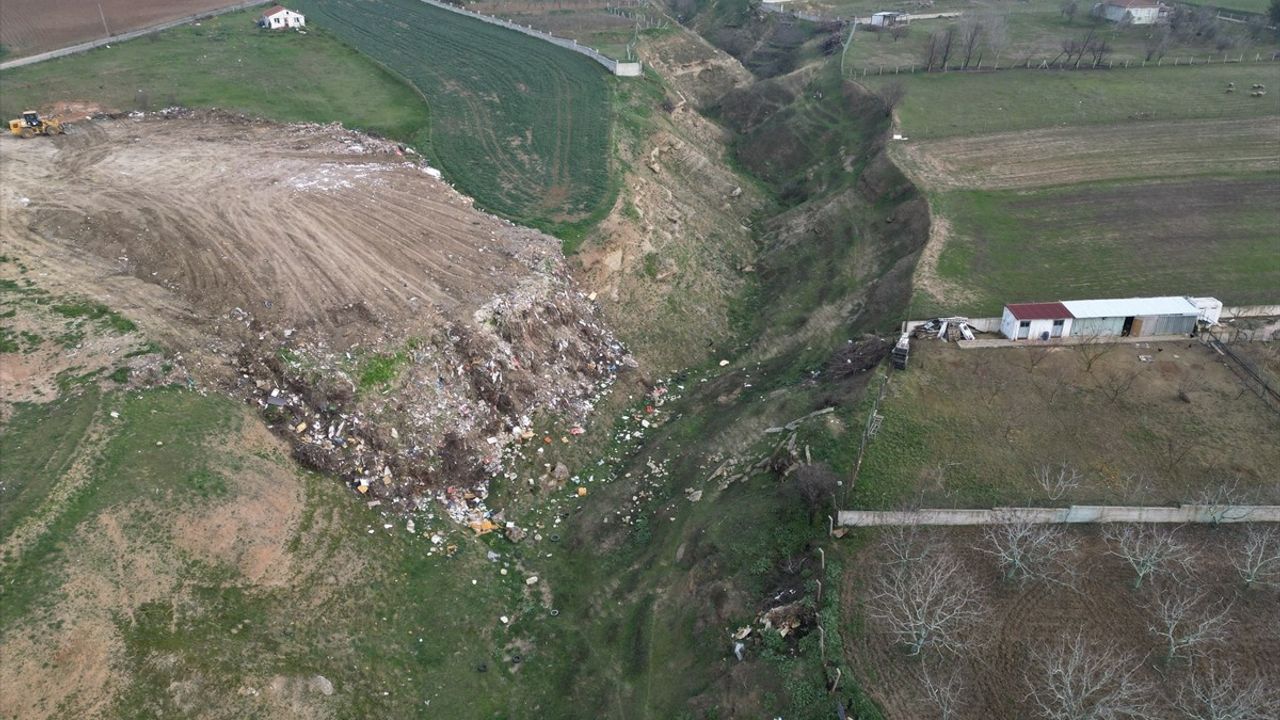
{"type": "Point", "coordinates": [31, 125]}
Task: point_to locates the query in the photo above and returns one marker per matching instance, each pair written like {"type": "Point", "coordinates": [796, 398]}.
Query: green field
{"type": "Point", "coordinates": [943, 105]}
{"type": "Point", "coordinates": [1218, 237]}
{"type": "Point", "coordinates": [517, 123]}
{"type": "Point", "coordinates": [227, 62]}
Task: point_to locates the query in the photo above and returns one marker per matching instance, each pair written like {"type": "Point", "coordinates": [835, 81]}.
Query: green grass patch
{"type": "Point", "coordinates": [96, 312]}
{"type": "Point", "coordinates": [227, 62]}
{"type": "Point", "coordinates": [380, 369]}
{"type": "Point", "coordinates": [1200, 237]}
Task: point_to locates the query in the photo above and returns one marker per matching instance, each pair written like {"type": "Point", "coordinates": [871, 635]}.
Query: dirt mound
{"type": "Point", "coordinates": [331, 277]}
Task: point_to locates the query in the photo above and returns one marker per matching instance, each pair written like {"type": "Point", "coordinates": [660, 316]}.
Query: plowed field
{"type": "Point", "coordinates": [33, 26]}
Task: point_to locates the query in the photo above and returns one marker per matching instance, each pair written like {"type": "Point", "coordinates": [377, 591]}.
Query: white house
{"type": "Point", "coordinates": [1135, 317]}
{"type": "Point", "coordinates": [280, 17]}
{"type": "Point", "coordinates": [888, 19]}
{"type": "Point", "coordinates": [1035, 321]}
{"type": "Point", "coordinates": [1135, 12]}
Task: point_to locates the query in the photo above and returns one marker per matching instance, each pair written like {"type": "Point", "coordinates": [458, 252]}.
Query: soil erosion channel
{"type": "Point", "coordinates": [396, 335]}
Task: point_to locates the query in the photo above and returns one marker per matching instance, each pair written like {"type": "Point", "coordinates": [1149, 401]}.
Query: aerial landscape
{"type": "Point", "coordinates": [640, 359]}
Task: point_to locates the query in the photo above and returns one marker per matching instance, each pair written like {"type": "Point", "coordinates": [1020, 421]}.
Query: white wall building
{"type": "Point", "coordinates": [888, 19]}
{"type": "Point", "coordinates": [1137, 12]}
{"type": "Point", "coordinates": [1126, 317]}
{"type": "Point", "coordinates": [280, 18]}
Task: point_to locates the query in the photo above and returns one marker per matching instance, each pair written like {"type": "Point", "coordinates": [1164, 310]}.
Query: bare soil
{"type": "Point", "coordinates": [1104, 608]}
{"type": "Point", "coordinates": [28, 27]}
{"type": "Point", "coordinates": [325, 275]}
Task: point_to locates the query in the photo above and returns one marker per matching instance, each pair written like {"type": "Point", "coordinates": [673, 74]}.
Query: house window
{"type": "Point", "coordinates": [1057, 328]}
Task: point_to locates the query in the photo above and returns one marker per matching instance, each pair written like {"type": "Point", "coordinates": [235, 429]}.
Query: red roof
{"type": "Point", "coordinates": [273, 10]}
{"type": "Point", "coordinates": [1039, 311]}
{"type": "Point", "coordinates": [1133, 3]}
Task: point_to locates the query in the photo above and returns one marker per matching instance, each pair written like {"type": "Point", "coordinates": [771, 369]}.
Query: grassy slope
{"type": "Point", "coordinates": [227, 62]}
{"type": "Point", "coordinates": [520, 124]}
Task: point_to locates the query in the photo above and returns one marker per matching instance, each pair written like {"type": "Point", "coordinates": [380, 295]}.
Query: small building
{"type": "Point", "coordinates": [1035, 321]}
{"type": "Point", "coordinates": [889, 19]}
{"type": "Point", "coordinates": [1125, 317]}
{"type": "Point", "coordinates": [281, 18]}
{"type": "Point", "coordinates": [1134, 12]}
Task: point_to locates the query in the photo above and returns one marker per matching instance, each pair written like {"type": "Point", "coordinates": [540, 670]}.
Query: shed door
{"type": "Point", "coordinates": [1024, 329]}
{"type": "Point", "coordinates": [1057, 328]}
{"type": "Point", "coordinates": [1136, 330]}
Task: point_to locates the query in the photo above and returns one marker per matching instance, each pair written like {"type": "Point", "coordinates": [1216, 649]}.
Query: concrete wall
{"type": "Point", "coordinates": [1071, 515]}
{"type": "Point", "coordinates": [1243, 311]}
{"type": "Point", "coordinates": [621, 69]}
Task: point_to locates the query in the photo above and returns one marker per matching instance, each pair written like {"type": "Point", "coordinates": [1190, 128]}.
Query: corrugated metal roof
{"type": "Point", "coordinates": [1039, 311]}
{"type": "Point", "coordinates": [1131, 307]}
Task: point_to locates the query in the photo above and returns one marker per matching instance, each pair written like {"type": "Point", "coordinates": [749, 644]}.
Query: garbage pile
{"type": "Point", "coordinates": [950, 328]}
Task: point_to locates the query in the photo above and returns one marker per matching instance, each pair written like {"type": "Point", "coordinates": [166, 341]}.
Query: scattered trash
{"type": "Point", "coordinates": [532, 580]}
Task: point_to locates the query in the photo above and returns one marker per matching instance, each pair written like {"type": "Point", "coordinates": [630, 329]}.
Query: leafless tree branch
{"type": "Point", "coordinates": [928, 603]}
{"type": "Point", "coordinates": [1151, 551]}
{"type": "Point", "coordinates": [1258, 560]}
{"type": "Point", "coordinates": [1074, 680]}
{"type": "Point", "coordinates": [1216, 693]}
{"type": "Point", "coordinates": [1057, 481]}
{"type": "Point", "coordinates": [1031, 551]}
{"type": "Point", "coordinates": [1185, 623]}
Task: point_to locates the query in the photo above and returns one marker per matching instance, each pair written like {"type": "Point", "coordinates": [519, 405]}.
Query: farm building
{"type": "Point", "coordinates": [888, 19]}
{"type": "Point", "coordinates": [1135, 12]}
{"type": "Point", "coordinates": [1137, 317]}
{"type": "Point", "coordinates": [280, 18]}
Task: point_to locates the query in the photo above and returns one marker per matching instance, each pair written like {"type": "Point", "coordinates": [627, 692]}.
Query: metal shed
{"type": "Point", "coordinates": [1137, 317]}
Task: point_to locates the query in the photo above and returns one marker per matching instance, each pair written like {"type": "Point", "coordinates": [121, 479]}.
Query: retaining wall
{"type": "Point", "coordinates": [1069, 515]}
{"type": "Point", "coordinates": [621, 69]}
{"type": "Point", "coordinates": [1245, 311]}
{"type": "Point", "coordinates": [121, 37]}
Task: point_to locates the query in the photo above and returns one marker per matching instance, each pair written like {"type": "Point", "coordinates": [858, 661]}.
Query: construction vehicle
{"type": "Point", "coordinates": [31, 124]}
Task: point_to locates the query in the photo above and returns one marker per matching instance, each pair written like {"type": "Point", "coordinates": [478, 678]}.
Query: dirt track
{"type": "Point", "coordinates": [283, 262]}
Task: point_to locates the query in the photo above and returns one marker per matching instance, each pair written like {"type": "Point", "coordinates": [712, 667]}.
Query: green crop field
{"type": "Point", "coordinates": [519, 124]}
{"type": "Point", "coordinates": [1184, 237]}
{"type": "Point", "coordinates": [227, 62]}
{"type": "Point", "coordinates": [942, 104]}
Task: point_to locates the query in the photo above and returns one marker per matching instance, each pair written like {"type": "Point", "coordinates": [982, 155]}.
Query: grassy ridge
{"type": "Point", "coordinates": [519, 124]}
{"type": "Point", "coordinates": [227, 62]}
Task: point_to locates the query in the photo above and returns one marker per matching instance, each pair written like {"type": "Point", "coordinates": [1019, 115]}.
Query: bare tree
{"type": "Point", "coordinates": [1093, 347]}
{"type": "Point", "coordinates": [1185, 623]}
{"type": "Point", "coordinates": [943, 688]}
{"type": "Point", "coordinates": [1034, 354]}
{"type": "Point", "coordinates": [927, 604]}
{"type": "Point", "coordinates": [1215, 693]}
{"type": "Point", "coordinates": [891, 94]}
{"type": "Point", "coordinates": [1057, 481]}
{"type": "Point", "coordinates": [938, 49]}
{"type": "Point", "coordinates": [1151, 551]}
{"type": "Point", "coordinates": [1157, 43]}
{"type": "Point", "coordinates": [1073, 680]}
{"type": "Point", "coordinates": [1258, 560]}
{"type": "Point", "coordinates": [899, 31]}
{"type": "Point", "coordinates": [1069, 9]}
{"type": "Point", "coordinates": [1115, 385]}
{"type": "Point", "coordinates": [1222, 501]}
{"type": "Point", "coordinates": [997, 34]}
{"type": "Point", "coordinates": [1031, 551]}
{"type": "Point", "coordinates": [815, 486]}
{"type": "Point", "coordinates": [903, 545]}
{"type": "Point", "coordinates": [971, 34]}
